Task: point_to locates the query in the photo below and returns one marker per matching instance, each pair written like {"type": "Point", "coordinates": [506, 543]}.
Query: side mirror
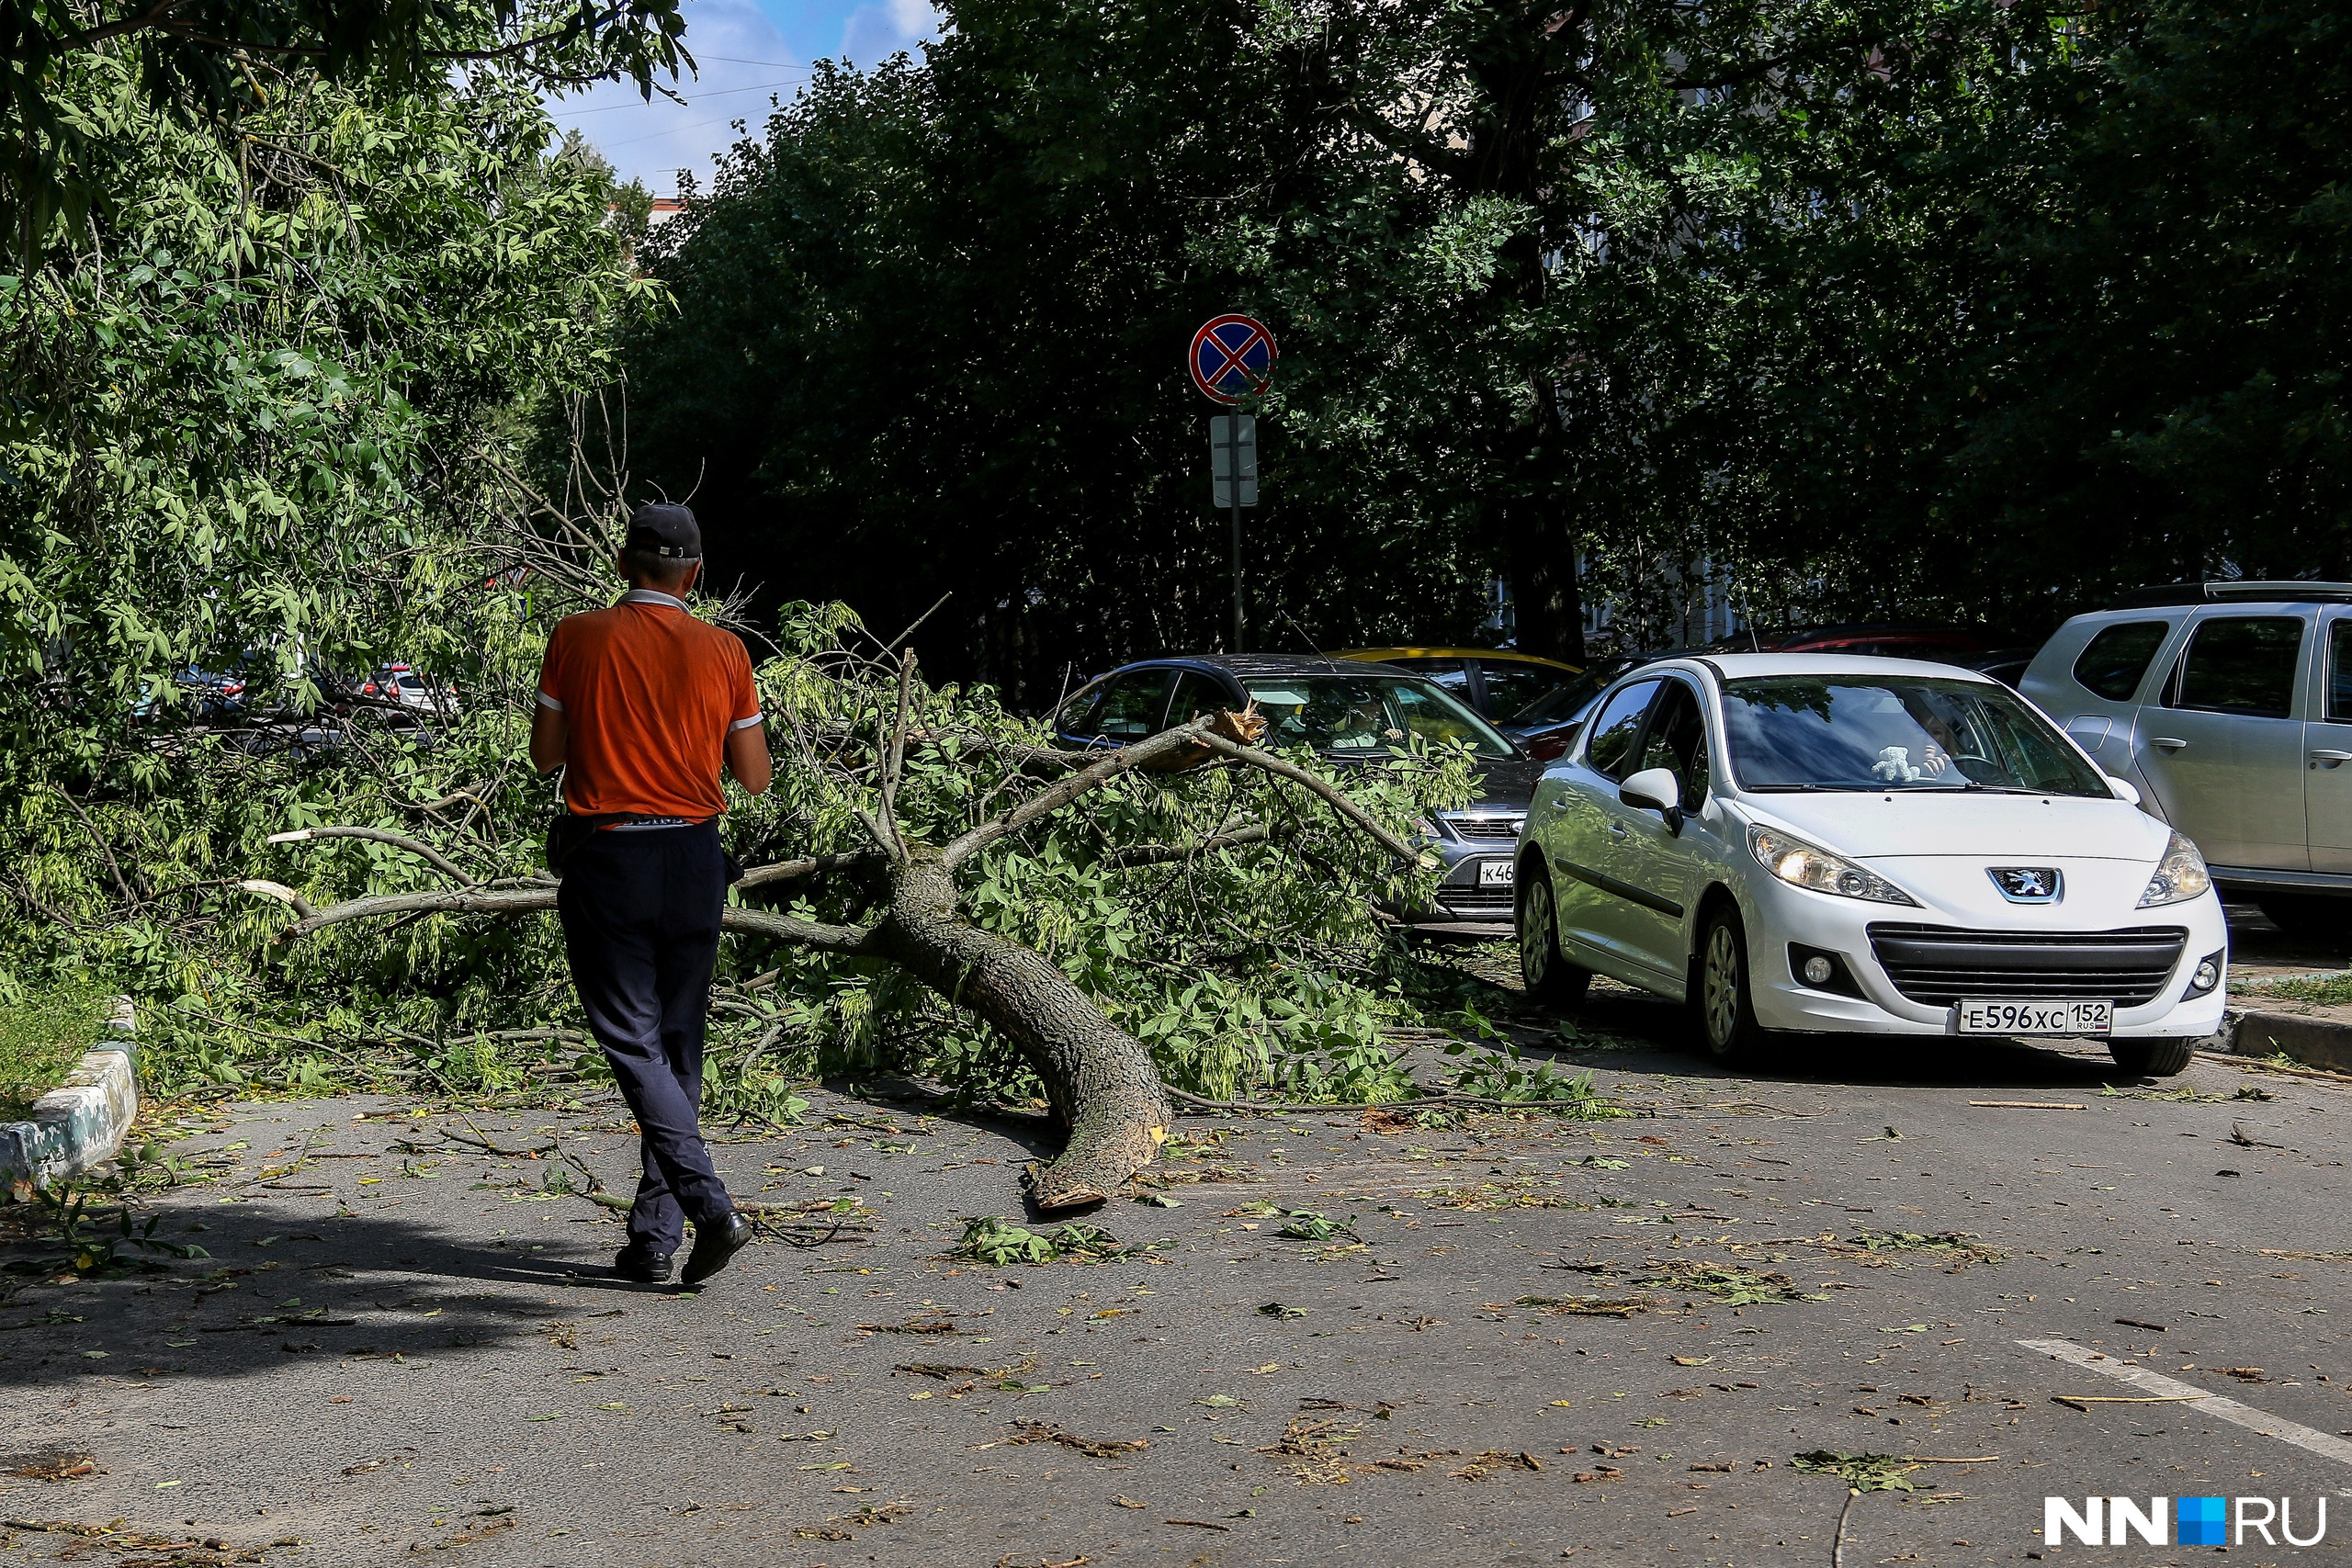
{"type": "Point", "coordinates": [2125, 791]}
{"type": "Point", "coordinates": [1655, 789]}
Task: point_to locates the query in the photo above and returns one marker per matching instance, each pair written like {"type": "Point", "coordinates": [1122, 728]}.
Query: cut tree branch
{"type": "Point", "coordinates": [539, 900]}
{"type": "Point", "coordinates": [423, 850]}
{"type": "Point", "coordinates": [1329, 793]}
{"type": "Point", "coordinates": [894, 754]}
{"type": "Point", "coordinates": [280, 892]}
{"type": "Point", "coordinates": [1125, 759]}
{"type": "Point", "coordinates": [453, 901]}
{"type": "Point", "coordinates": [814, 865]}
{"type": "Point", "coordinates": [1098, 1078]}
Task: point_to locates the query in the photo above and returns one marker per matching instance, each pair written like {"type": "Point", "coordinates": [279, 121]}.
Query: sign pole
{"type": "Point", "coordinates": [1233, 467]}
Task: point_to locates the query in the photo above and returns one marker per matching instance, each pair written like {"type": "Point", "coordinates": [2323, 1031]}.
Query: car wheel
{"type": "Point", "coordinates": [2300, 914]}
{"type": "Point", "coordinates": [2152, 1058]}
{"type": "Point", "coordinates": [1547, 976]}
{"type": "Point", "coordinates": [1719, 997]}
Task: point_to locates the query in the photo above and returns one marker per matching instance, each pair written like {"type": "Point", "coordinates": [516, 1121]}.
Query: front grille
{"type": "Point", "coordinates": [1485, 902]}
{"type": "Point", "coordinates": [1938, 965]}
{"type": "Point", "coordinates": [1485, 827]}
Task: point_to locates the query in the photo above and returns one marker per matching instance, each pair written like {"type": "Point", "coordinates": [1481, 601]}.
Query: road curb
{"type": "Point", "coordinates": [2314, 1041]}
{"type": "Point", "coordinates": [81, 1122]}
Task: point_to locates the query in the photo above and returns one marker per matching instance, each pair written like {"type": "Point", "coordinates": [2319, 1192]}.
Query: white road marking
{"type": "Point", "coordinates": [2194, 1398]}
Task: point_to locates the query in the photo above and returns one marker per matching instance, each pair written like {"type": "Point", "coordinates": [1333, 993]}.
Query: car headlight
{"type": "Point", "coordinates": [1805, 865]}
{"type": "Point", "coordinates": [2181, 874]}
{"type": "Point", "coordinates": [1428, 829]}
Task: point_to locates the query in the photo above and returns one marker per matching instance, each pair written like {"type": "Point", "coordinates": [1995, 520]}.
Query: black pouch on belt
{"type": "Point", "coordinates": [568, 832]}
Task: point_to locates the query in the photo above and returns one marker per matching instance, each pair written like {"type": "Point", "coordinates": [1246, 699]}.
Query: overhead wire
{"type": "Point", "coordinates": [665, 131]}
{"type": "Point", "coordinates": [645, 103]}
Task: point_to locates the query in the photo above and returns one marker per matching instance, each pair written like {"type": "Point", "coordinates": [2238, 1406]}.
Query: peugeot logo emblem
{"type": "Point", "coordinates": [2029, 884]}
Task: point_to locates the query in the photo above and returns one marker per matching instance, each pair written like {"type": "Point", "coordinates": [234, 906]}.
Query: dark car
{"type": "Point", "coordinates": [1498, 682]}
{"type": "Point", "coordinates": [1349, 712]}
{"type": "Point", "coordinates": [1548, 727]}
{"type": "Point", "coordinates": [2006, 665]}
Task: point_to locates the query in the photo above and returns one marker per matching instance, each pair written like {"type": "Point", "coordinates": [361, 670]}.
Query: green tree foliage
{"type": "Point", "coordinates": [243, 406]}
{"type": "Point", "coordinates": [1518, 259]}
{"type": "Point", "coordinates": [1870, 308]}
{"type": "Point", "coordinates": [930, 335]}
{"type": "Point", "coordinates": [219, 61]}
{"type": "Point", "coordinates": [2155, 354]}
{"type": "Point", "coordinates": [260, 420]}
{"type": "Point", "coordinates": [1949, 308]}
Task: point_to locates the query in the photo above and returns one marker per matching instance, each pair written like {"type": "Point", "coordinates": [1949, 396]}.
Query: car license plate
{"type": "Point", "coordinates": [1980, 1016]}
{"type": "Point", "coordinates": [1494, 874]}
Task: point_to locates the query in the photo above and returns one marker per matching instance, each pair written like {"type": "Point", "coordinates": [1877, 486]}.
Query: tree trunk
{"type": "Point", "coordinates": [1547, 601]}
{"type": "Point", "coordinates": [1098, 1078]}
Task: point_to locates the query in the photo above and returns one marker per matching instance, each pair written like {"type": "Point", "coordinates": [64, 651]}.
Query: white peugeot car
{"type": "Point", "coordinates": [1814, 842]}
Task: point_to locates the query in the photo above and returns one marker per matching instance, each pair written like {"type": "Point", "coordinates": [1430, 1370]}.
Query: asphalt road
{"type": "Point", "coordinates": [402, 1348]}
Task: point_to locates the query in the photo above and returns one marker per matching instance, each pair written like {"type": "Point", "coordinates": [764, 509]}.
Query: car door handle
{"type": "Point", "coordinates": [1616, 830]}
{"type": "Point", "coordinates": [2166, 742]}
{"type": "Point", "coordinates": [2332, 756]}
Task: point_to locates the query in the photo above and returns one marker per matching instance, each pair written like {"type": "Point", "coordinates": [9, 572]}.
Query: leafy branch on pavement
{"type": "Point", "coordinates": [1860, 1473]}
{"type": "Point", "coordinates": [999, 1243]}
{"type": "Point", "coordinates": [96, 1243]}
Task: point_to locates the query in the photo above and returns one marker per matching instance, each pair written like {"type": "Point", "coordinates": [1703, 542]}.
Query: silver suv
{"type": "Point", "coordinates": [2229, 705]}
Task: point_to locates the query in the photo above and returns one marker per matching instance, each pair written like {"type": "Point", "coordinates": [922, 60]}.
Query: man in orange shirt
{"type": "Point", "coordinates": [641, 705]}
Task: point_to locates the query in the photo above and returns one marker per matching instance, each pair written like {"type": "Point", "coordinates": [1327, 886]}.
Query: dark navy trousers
{"type": "Point", "coordinates": [641, 913]}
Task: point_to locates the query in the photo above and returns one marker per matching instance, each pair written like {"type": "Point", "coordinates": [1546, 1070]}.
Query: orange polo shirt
{"type": "Point", "coordinates": [650, 695]}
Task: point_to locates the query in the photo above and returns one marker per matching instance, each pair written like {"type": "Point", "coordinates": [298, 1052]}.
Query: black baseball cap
{"type": "Point", "coordinates": [671, 531]}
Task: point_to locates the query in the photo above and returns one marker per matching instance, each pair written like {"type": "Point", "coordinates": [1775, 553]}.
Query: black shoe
{"type": "Point", "coordinates": [715, 1243]}
{"type": "Point", "coordinates": [633, 1262]}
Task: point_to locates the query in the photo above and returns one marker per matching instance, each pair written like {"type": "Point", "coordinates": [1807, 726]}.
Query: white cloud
{"type": "Point", "coordinates": [883, 28]}
{"type": "Point", "coordinates": [745, 62]}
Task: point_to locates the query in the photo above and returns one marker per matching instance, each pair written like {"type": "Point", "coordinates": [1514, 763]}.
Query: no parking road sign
{"type": "Point", "coordinates": [1232, 356]}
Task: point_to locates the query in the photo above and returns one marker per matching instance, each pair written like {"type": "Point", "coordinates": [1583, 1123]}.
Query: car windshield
{"type": "Point", "coordinates": [1875, 732]}
{"type": "Point", "coordinates": [1355, 716]}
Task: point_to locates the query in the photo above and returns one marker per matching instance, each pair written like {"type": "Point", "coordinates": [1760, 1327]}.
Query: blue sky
{"type": "Point", "coordinates": [751, 52]}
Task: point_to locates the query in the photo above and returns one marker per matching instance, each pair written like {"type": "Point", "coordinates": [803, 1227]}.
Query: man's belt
{"type": "Point", "coordinates": [572, 829]}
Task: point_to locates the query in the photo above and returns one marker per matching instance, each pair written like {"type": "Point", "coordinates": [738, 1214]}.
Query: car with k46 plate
{"type": "Point", "coordinates": [1811, 842]}
{"type": "Point", "coordinates": [1347, 711]}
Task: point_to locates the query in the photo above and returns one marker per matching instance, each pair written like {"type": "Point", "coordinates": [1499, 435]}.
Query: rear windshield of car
{"type": "Point", "coordinates": [1570, 698]}
{"type": "Point", "coordinates": [1512, 686]}
{"type": "Point", "coordinates": [1358, 715]}
{"type": "Point", "coordinates": [1875, 732]}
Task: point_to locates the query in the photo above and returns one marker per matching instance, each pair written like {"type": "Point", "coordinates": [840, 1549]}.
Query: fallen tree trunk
{"type": "Point", "coordinates": [1098, 1078]}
